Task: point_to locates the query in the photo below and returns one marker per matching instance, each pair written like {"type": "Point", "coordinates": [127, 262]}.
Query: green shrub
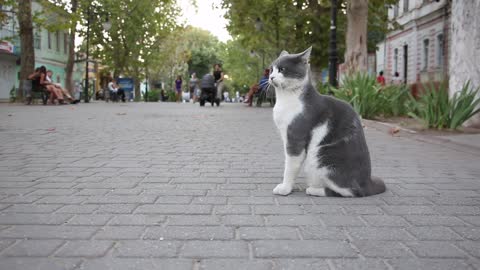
{"type": "Point", "coordinates": [171, 96]}
{"type": "Point", "coordinates": [363, 93]}
{"type": "Point", "coordinates": [397, 100]}
{"type": "Point", "coordinates": [13, 94]}
{"type": "Point", "coordinates": [153, 95]}
{"type": "Point", "coordinates": [436, 110]}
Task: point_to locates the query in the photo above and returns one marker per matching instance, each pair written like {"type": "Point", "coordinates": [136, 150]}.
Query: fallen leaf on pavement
{"type": "Point", "coordinates": [394, 130]}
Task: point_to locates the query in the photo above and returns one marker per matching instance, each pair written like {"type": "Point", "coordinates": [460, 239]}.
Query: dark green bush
{"type": "Point", "coordinates": [436, 110]}
{"type": "Point", "coordinates": [153, 95]}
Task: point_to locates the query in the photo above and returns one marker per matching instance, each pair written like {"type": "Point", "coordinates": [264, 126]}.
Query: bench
{"type": "Point", "coordinates": [33, 90]}
{"type": "Point", "coordinates": [265, 95]}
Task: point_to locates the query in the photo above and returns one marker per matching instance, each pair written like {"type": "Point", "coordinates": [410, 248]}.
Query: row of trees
{"type": "Point", "coordinates": [145, 39]}
{"type": "Point", "coordinates": [295, 25]}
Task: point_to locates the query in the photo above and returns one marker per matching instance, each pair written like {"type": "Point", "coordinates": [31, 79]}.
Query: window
{"type": "Point", "coordinates": [405, 6]}
{"type": "Point", "coordinates": [395, 10]}
{"type": "Point", "coordinates": [440, 50]}
{"type": "Point", "coordinates": [426, 43]}
{"type": "Point", "coordinates": [49, 40]}
{"type": "Point", "coordinates": [65, 43]}
{"type": "Point", "coordinates": [57, 41]}
{"type": "Point", "coordinates": [37, 39]}
{"type": "Point", "coordinates": [395, 60]}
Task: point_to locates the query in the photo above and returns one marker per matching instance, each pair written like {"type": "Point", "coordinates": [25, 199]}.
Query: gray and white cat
{"type": "Point", "coordinates": [321, 133]}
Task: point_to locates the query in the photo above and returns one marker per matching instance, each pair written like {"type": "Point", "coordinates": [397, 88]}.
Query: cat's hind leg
{"type": "Point", "coordinates": [316, 191]}
{"type": "Point", "coordinates": [292, 167]}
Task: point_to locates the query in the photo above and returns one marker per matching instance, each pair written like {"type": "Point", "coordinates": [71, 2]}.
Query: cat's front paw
{"type": "Point", "coordinates": [282, 189]}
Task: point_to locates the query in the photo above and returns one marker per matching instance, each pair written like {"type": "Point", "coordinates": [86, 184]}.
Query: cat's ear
{"type": "Point", "coordinates": [283, 53]}
{"type": "Point", "coordinates": [306, 54]}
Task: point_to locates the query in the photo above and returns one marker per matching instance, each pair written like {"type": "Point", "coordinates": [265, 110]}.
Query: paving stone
{"type": "Point", "coordinates": [322, 233]}
{"type": "Point", "coordinates": [39, 263]}
{"type": "Point", "coordinates": [359, 264]}
{"type": "Point", "coordinates": [256, 233]}
{"type": "Point", "coordinates": [78, 209]}
{"type": "Point", "coordinates": [84, 248]}
{"type": "Point", "coordinates": [137, 263]}
{"type": "Point", "coordinates": [220, 264]}
{"type": "Point", "coordinates": [243, 220]}
{"type": "Point", "coordinates": [383, 249]}
{"type": "Point", "coordinates": [379, 233]}
{"type": "Point", "coordinates": [428, 264]}
{"type": "Point", "coordinates": [292, 220]}
{"type": "Point", "coordinates": [97, 220]}
{"type": "Point", "coordinates": [31, 219]}
{"type": "Point", "coordinates": [302, 248]}
{"type": "Point", "coordinates": [434, 233]}
{"type": "Point", "coordinates": [4, 243]}
{"type": "Point", "coordinates": [116, 208]}
{"type": "Point", "coordinates": [385, 221]}
{"type": "Point", "coordinates": [174, 209]}
{"type": "Point", "coordinates": [409, 210]}
{"type": "Point", "coordinates": [119, 232]}
{"type": "Point", "coordinates": [299, 263]}
{"type": "Point", "coordinates": [174, 199]}
{"type": "Point", "coordinates": [192, 220]}
{"type": "Point", "coordinates": [122, 199]}
{"type": "Point", "coordinates": [232, 209]}
{"type": "Point", "coordinates": [419, 220]}
{"type": "Point", "coordinates": [32, 208]}
{"type": "Point", "coordinates": [189, 233]}
{"type": "Point", "coordinates": [48, 232]}
{"type": "Point", "coordinates": [277, 209]}
{"type": "Point", "coordinates": [215, 249]}
{"type": "Point", "coordinates": [435, 249]}
{"type": "Point", "coordinates": [472, 247]}
{"type": "Point", "coordinates": [471, 233]}
{"type": "Point", "coordinates": [181, 205]}
{"type": "Point", "coordinates": [251, 200]}
{"type": "Point", "coordinates": [334, 220]}
{"type": "Point", "coordinates": [145, 249]}
{"type": "Point", "coordinates": [137, 219]}
{"type": "Point", "coordinates": [33, 248]}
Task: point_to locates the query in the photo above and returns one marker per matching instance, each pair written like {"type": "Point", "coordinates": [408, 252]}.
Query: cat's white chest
{"type": "Point", "coordinates": [286, 109]}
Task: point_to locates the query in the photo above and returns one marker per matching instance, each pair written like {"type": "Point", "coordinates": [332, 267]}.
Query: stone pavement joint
{"type": "Point", "coordinates": [176, 186]}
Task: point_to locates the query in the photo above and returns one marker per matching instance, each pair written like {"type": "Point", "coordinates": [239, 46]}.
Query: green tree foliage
{"type": "Point", "coordinates": [295, 25]}
{"type": "Point", "coordinates": [202, 48]}
{"type": "Point", "coordinates": [138, 30]}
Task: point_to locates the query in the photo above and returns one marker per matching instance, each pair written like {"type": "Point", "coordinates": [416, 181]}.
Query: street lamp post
{"type": "Point", "coordinates": [259, 28]}
{"type": "Point", "coordinates": [332, 51]}
{"type": "Point", "coordinates": [85, 91]}
{"type": "Point", "coordinates": [106, 26]}
{"type": "Point", "coordinates": [146, 88]}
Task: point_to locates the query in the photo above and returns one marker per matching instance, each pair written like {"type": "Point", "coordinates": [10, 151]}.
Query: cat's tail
{"type": "Point", "coordinates": [377, 186]}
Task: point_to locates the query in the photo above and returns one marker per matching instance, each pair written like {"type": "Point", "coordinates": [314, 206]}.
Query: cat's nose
{"type": "Point", "coordinates": [271, 78]}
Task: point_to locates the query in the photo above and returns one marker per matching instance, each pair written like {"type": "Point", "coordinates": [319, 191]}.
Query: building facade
{"type": "Point", "coordinates": [51, 50]}
{"type": "Point", "coordinates": [419, 50]}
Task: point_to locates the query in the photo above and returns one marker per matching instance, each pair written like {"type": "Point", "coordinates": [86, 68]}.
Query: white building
{"type": "Point", "coordinates": [419, 50]}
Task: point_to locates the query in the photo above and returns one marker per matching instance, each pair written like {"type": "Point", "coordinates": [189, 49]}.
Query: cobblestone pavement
{"type": "Point", "coordinates": [176, 186]}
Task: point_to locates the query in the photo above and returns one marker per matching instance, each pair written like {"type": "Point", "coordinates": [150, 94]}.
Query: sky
{"type": "Point", "coordinates": [205, 16]}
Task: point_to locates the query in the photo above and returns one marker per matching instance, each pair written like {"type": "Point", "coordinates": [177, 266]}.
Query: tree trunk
{"type": "Point", "coordinates": [464, 64]}
{"type": "Point", "coordinates": [356, 37]}
{"type": "Point", "coordinates": [27, 56]}
{"type": "Point", "coordinates": [71, 51]}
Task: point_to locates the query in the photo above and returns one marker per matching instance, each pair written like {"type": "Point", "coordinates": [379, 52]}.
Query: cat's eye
{"type": "Point", "coordinates": [282, 69]}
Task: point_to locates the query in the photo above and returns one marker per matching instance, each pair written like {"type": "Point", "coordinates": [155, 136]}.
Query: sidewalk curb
{"type": "Point", "coordinates": [414, 135]}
